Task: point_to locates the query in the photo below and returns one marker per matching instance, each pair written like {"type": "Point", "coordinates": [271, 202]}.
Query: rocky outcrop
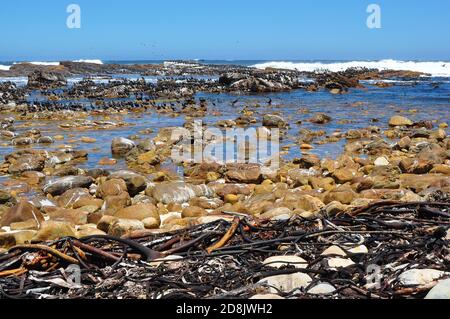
{"type": "Point", "coordinates": [42, 79]}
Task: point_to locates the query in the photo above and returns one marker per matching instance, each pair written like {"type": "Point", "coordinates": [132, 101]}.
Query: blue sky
{"type": "Point", "coordinates": [232, 29]}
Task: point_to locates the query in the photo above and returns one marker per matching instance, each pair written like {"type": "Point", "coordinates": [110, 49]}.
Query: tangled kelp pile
{"type": "Point", "coordinates": [384, 250]}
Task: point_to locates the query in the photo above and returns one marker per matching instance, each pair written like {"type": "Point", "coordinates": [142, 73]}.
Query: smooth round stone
{"type": "Point", "coordinates": [381, 161]}
{"type": "Point", "coordinates": [440, 291]}
{"type": "Point", "coordinates": [334, 251]}
{"type": "Point", "coordinates": [280, 261]}
{"type": "Point", "coordinates": [340, 262]}
{"type": "Point", "coordinates": [359, 250]}
{"type": "Point", "coordinates": [286, 283]}
{"type": "Point", "coordinates": [322, 289]}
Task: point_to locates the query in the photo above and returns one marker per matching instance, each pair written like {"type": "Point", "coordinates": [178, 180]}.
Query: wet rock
{"type": "Point", "coordinates": [121, 146]}
{"type": "Point", "coordinates": [52, 230]}
{"type": "Point", "coordinates": [419, 277]}
{"type": "Point", "coordinates": [320, 118]}
{"type": "Point", "coordinates": [178, 192]}
{"type": "Point", "coordinates": [286, 283]}
{"type": "Point", "coordinates": [150, 157]}
{"type": "Point", "coordinates": [400, 121]}
{"type": "Point", "coordinates": [21, 212]}
{"type": "Point", "coordinates": [139, 212]}
{"type": "Point", "coordinates": [59, 185]}
{"type": "Point", "coordinates": [270, 120]}
{"type": "Point", "coordinates": [135, 183]}
{"type": "Point", "coordinates": [440, 291]}
{"type": "Point", "coordinates": [26, 163]}
{"type": "Point", "coordinates": [66, 170]}
{"type": "Point", "coordinates": [282, 261]}
{"type": "Point", "coordinates": [87, 139]}
{"type": "Point", "coordinates": [45, 140]}
{"type": "Point", "coordinates": [70, 198]}
{"type": "Point", "coordinates": [122, 227]}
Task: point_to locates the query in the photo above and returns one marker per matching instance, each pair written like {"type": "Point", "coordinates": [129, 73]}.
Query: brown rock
{"type": "Point", "coordinates": [138, 212]}
{"type": "Point", "coordinates": [244, 173]}
{"type": "Point", "coordinates": [117, 202]}
{"type": "Point", "coordinates": [14, 238]}
{"type": "Point", "coordinates": [193, 211]}
{"type": "Point", "coordinates": [76, 217]}
{"type": "Point", "coordinates": [21, 212]}
{"type": "Point", "coordinates": [122, 227]}
{"type": "Point", "coordinates": [400, 121]}
{"type": "Point", "coordinates": [52, 230]}
{"type": "Point", "coordinates": [111, 187]}
{"type": "Point", "coordinates": [344, 195]}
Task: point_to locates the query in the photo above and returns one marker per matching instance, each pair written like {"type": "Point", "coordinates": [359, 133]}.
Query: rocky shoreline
{"type": "Point", "coordinates": [50, 194]}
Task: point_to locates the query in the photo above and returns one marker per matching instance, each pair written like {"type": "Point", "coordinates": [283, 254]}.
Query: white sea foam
{"type": "Point", "coordinates": [94, 61]}
{"type": "Point", "coordinates": [40, 63]}
{"type": "Point", "coordinates": [4, 67]}
{"type": "Point", "coordinates": [434, 68]}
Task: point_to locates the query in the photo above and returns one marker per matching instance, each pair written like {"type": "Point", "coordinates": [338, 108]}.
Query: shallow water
{"type": "Point", "coordinates": [427, 99]}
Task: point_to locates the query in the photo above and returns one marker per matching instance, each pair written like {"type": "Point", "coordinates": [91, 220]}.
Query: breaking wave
{"type": "Point", "coordinates": [438, 69]}
{"type": "Point", "coordinates": [94, 61]}
{"type": "Point", "coordinates": [4, 67]}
